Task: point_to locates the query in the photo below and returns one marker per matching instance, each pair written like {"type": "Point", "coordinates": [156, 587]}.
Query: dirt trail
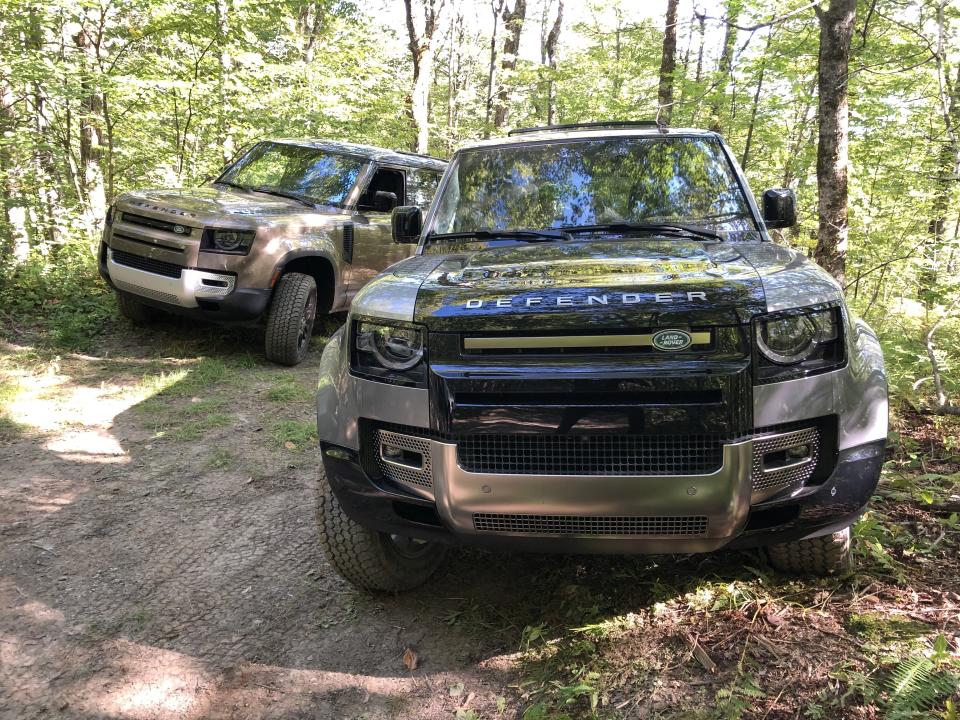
{"type": "Point", "coordinates": [174, 573]}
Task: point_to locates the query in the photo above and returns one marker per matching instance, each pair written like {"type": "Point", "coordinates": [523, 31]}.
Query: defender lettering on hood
{"type": "Point", "coordinates": [569, 301]}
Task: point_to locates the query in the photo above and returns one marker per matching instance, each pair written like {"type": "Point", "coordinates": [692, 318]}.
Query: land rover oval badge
{"type": "Point", "coordinates": [672, 340]}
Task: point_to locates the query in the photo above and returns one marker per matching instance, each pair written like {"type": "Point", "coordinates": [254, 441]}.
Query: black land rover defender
{"type": "Point", "coordinates": [597, 348]}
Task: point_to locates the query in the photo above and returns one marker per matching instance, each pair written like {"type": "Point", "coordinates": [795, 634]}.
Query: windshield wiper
{"type": "Point", "coordinates": [231, 184]}
{"type": "Point", "coordinates": [544, 235]}
{"type": "Point", "coordinates": [664, 228]}
{"type": "Point", "coordinates": [281, 193]}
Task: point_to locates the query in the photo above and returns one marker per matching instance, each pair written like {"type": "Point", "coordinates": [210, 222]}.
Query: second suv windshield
{"type": "Point", "coordinates": [304, 173]}
{"type": "Point", "coordinates": [611, 182]}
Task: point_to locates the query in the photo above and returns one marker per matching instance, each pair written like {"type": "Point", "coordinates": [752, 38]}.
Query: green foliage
{"type": "Point", "coordinates": [294, 435]}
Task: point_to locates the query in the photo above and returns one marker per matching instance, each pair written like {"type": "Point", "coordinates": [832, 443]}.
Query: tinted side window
{"type": "Point", "coordinates": [421, 187]}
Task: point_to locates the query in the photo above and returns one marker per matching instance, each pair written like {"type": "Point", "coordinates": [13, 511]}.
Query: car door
{"type": "Point", "coordinates": [373, 246]}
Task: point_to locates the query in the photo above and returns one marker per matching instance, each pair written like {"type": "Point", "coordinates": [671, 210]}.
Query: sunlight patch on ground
{"type": "Point", "coordinates": [148, 683]}
{"type": "Point", "coordinates": [36, 495]}
{"type": "Point", "coordinates": [88, 446]}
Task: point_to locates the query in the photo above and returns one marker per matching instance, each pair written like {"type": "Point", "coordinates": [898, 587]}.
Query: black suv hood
{"type": "Point", "coordinates": [590, 285]}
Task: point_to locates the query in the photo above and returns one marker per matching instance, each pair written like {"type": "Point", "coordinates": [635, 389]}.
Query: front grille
{"type": "Point", "coordinates": [592, 454]}
{"type": "Point", "coordinates": [157, 267]}
{"type": "Point", "coordinates": [156, 224]}
{"type": "Point", "coordinates": [590, 525]}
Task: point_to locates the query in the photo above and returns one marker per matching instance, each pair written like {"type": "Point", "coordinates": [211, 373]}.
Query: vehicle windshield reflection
{"type": "Point", "coordinates": [298, 172]}
{"type": "Point", "coordinates": [594, 182]}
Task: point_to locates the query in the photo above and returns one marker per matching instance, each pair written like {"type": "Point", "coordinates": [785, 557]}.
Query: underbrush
{"type": "Point", "coordinates": [56, 302]}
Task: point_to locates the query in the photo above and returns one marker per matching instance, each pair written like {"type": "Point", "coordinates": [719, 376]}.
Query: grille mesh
{"type": "Point", "coordinates": [420, 477]}
{"type": "Point", "coordinates": [590, 525]}
{"type": "Point", "coordinates": [787, 476]}
{"type": "Point", "coordinates": [147, 292]}
{"type": "Point", "coordinates": [157, 267]}
{"type": "Point", "coordinates": [592, 454]}
{"type": "Point", "coordinates": [150, 222]}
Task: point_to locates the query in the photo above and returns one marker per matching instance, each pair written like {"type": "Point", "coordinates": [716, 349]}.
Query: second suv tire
{"type": "Point", "coordinates": [824, 555]}
{"type": "Point", "coordinates": [290, 320]}
{"type": "Point", "coordinates": [371, 560]}
{"type": "Point", "coordinates": [134, 310]}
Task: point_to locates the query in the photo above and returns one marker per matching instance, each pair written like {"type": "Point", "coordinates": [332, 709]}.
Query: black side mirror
{"type": "Point", "coordinates": [779, 208]}
{"type": "Point", "coordinates": [406, 222]}
{"type": "Point", "coordinates": [384, 201]}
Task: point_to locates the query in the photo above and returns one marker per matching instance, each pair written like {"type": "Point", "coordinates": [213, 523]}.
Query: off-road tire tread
{"type": "Point", "coordinates": [134, 310]}
{"type": "Point", "coordinates": [824, 555]}
{"type": "Point", "coordinates": [283, 320]}
{"type": "Point", "coordinates": [359, 555]}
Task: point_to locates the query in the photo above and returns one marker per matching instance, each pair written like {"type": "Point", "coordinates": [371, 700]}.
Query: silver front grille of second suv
{"type": "Point", "coordinates": [404, 459]}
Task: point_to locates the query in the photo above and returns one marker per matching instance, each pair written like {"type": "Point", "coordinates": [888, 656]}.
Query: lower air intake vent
{"type": "Point", "coordinates": [590, 525]}
{"type": "Point", "coordinates": [591, 454]}
{"type": "Point", "coordinates": [404, 458]}
{"type": "Point", "coordinates": [774, 469]}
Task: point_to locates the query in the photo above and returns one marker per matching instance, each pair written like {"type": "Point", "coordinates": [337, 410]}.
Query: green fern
{"type": "Point", "coordinates": [915, 685]}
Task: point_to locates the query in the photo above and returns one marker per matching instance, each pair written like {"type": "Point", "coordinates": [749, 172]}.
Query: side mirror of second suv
{"type": "Point", "coordinates": [406, 222]}
{"type": "Point", "coordinates": [779, 208]}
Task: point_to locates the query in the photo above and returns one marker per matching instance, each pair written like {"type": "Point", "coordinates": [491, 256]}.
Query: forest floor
{"type": "Point", "coordinates": [158, 559]}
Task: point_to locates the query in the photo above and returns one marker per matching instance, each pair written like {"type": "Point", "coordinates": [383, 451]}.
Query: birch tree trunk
{"type": "Point", "coordinates": [422, 51]}
{"type": "Point", "coordinates": [88, 41]}
{"type": "Point", "coordinates": [512, 25]}
{"type": "Point", "coordinates": [836, 28]}
{"type": "Point", "coordinates": [668, 63]}
{"type": "Point", "coordinates": [496, 6]}
{"type": "Point", "coordinates": [224, 130]}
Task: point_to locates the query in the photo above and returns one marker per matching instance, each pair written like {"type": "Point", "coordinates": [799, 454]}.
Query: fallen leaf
{"type": "Point", "coordinates": [410, 659]}
{"type": "Point", "coordinates": [770, 615]}
{"type": "Point", "coordinates": [456, 690]}
{"type": "Point", "coordinates": [289, 445]}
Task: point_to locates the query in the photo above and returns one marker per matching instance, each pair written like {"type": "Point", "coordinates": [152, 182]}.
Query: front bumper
{"type": "Point", "coordinates": [203, 293]}
{"type": "Point", "coordinates": [603, 514]}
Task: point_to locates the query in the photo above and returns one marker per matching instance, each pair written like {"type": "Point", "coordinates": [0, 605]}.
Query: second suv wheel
{"type": "Point", "coordinates": [133, 310]}
{"type": "Point", "coordinates": [290, 320]}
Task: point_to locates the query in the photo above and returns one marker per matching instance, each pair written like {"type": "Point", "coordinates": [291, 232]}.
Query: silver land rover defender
{"type": "Point", "coordinates": [597, 348]}
{"type": "Point", "coordinates": [291, 229]}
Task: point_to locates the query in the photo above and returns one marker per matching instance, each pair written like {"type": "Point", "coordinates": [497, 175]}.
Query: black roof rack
{"type": "Point", "coordinates": [589, 125]}
{"type": "Point", "coordinates": [419, 155]}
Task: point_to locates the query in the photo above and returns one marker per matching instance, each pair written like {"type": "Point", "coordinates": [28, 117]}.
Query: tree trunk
{"type": "Point", "coordinates": [725, 65]}
{"type": "Point", "coordinates": [550, 51]}
{"type": "Point", "coordinates": [701, 29]}
{"type": "Point", "coordinates": [224, 131]}
{"type": "Point", "coordinates": [756, 100]}
{"type": "Point", "coordinates": [836, 28]}
{"type": "Point", "coordinates": [512, 25]}
{"type": "Point", "coordinates": [311, 24]}
{"type": "Point", "coordinates": [668, 63]}
{"type": "Point", "coordinates": [91, 126]}
{"type": "Point", "coordinates": [422, 51]}
{"type": "Point", "coordinates": [497, 7]}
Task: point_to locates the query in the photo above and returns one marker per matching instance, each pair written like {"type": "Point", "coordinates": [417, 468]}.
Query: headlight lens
{"type": "Point", "coordinates": [228, 241]}
{"type": "Point", "coordinates": [798, 342]}
{"type": "Point", "coordinates": [389, 352]}
{"type": "Point", "coordinates": [397, 348]}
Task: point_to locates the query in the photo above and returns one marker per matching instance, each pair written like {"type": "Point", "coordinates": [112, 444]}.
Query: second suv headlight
{"type": "Point", "coordinates": [389, 352]}
{"type": "Point", "coordinates": [224, 240]}
{"type": "Point", "coordinates": [798, 342]}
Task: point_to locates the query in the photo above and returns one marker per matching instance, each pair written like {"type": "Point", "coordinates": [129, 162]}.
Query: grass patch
{"type": "Point", "coordinates": [287, 390]}
{"type": "Point", "coordinates": [220, 459]}
{"type": "Point", "coordinates": [10, 429]}
{"type": "Point", "coordinates": [294, 435]}
{"type": "Point", "coordinates": [196, 429]}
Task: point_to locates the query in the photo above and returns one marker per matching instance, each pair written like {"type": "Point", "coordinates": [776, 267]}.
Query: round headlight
{"type": "Point", "coordinates": [231, 240]}
{"type": "Point", "coordinates": [788, 340]}
{"type": "Point", "coordinates": [396, 348]}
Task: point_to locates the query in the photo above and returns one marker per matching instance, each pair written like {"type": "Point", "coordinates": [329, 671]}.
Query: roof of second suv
{"type": "Point", "coordinates": [586, 133]}
{"type": "Point", "coordinates": [398, 157]}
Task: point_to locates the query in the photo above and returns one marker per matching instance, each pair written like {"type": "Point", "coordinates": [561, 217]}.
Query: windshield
{"type": "Point", "coordinates": [307, 173]}
{"type": "Point", "coordinates": [566, 184]}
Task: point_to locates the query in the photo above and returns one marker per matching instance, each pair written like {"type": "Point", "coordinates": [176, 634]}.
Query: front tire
{"type": "Point", "coordinates": [291, 317]}
{"type": "Point", "coordinates": [371, 560]}
{"type": "Point", "coordinates": [826, 555]}
{"type": "Point", "coordinates": [134, 310]}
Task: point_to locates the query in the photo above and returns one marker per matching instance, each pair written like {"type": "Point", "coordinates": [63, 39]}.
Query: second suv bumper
{"type": "Point", "coordinates": [204, 293]}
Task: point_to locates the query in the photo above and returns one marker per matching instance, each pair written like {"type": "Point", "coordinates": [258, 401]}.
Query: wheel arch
{"type": "Point", "coordinates": [318, 266]}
